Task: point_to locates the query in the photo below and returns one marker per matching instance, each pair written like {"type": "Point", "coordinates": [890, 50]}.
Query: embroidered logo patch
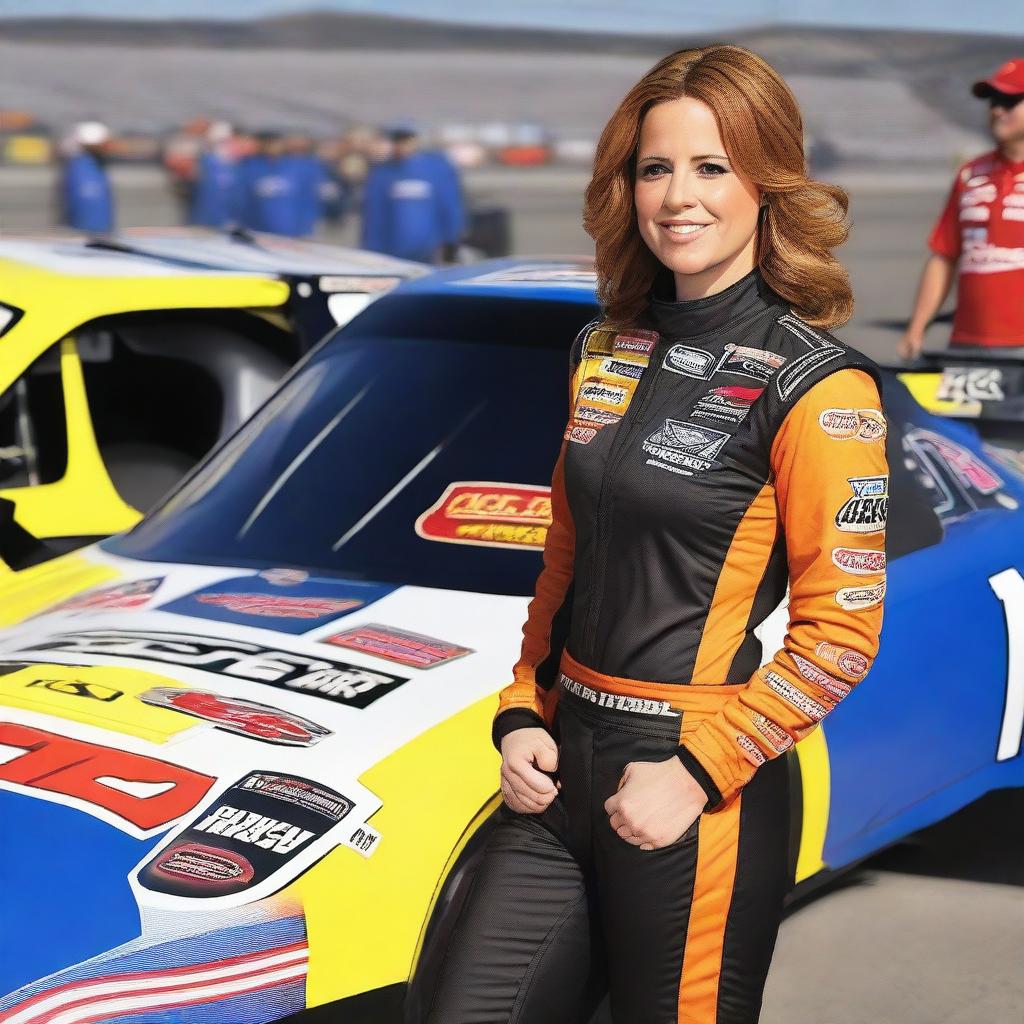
{"type": "Point", "coordinates": [729, 404]}
{"type": "Point", "coordinates": [756, 363]}
{"type": "Point", "coordinates": [868, 509]}
{"type": "Point", "coordinates": [691, 362]}
{"type": "Point", "coordinates": [685, 447]}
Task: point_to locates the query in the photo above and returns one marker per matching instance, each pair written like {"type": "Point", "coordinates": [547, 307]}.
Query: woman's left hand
{"type": "Point", "coordinates": [656, 803]}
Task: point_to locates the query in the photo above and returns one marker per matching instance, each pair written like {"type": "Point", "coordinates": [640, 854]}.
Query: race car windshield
{"type": "Point", "coordinates": [395, 458]}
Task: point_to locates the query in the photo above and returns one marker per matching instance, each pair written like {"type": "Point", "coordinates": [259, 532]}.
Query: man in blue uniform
{"type": "Point", "coordinates": [85, 194]}
{"type": "Point", "coordinates": [412, 202]}
{"type": "Point", "coordinates": [270, 190]}
{"type": "Point", "coordinates": [215, 197]}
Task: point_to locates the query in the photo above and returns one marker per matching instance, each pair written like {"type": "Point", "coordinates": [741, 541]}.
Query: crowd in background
{"type": "Point", "coordinates": [409, 197]}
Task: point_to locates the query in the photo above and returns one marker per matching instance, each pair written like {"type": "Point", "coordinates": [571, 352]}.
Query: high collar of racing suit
{"type": "Point", "coordinates": [688, 318]}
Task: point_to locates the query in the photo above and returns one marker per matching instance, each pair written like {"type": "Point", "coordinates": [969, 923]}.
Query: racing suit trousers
{"type": "Point", "coordinates": [562, 909]}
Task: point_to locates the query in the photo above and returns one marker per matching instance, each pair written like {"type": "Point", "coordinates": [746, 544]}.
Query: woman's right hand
{"type": "Point", "coordinates": [526, 789]}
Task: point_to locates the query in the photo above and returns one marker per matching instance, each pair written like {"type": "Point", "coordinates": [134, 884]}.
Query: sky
{"type": "Point", "coordinates": [980, 16]}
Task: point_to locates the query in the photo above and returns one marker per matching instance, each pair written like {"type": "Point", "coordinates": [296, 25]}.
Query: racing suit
{"type": "Point", "coordinates": [716, 449]}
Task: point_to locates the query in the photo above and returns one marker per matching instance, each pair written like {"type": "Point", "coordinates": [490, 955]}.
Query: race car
{"type": "Point", "coordinates": [245, 759]}
{"type": "Point", "coordinates": [126, 359]}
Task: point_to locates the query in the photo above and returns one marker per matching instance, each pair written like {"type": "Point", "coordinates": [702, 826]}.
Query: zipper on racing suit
{"type": "Point", "coordinates": [615, 455]}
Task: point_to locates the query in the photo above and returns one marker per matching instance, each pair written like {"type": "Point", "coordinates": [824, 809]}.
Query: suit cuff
{"type": "Point", "coordinates": [704, 780]}
{"type": "Point", "coordinates": [511, 719]}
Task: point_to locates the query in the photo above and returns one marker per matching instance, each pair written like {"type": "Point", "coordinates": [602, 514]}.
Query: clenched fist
{"type": "Point", "coordinates": [525, 788]}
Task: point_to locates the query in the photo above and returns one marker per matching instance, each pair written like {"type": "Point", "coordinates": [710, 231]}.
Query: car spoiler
{"type": "Point", "coordinates": [986, 384]}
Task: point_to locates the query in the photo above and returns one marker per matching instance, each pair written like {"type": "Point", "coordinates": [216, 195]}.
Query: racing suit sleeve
{"type": "Point", "coordinates": [831, 486]}
{"type": "Point", "coordinates": [944, 239]}
{"type": "Point", "coordinates": [521, 703]}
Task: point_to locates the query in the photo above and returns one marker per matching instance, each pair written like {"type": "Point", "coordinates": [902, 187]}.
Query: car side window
{"type": "Point", "coordinates": [163, 391]}
{"type": "Point", "coordinates": [33, 430]}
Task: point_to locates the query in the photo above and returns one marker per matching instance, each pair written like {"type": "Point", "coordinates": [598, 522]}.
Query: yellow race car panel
{"type": "Point", "coordinates": [91, 285]}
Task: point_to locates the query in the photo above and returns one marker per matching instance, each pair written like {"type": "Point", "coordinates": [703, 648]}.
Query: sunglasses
{"type": "Point", "coordinates": [1002, 99]}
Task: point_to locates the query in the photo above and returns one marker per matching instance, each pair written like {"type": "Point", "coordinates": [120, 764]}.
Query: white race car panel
{"type": "Point", "coordinates": [174, 703]}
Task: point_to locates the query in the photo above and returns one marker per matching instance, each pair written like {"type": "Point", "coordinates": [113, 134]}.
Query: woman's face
{"type": "Point", "coordinates": [696, 212]}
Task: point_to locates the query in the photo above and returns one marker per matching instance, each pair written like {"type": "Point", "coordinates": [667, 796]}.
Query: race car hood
{"type": "Point", "coordinates": [232, 731]}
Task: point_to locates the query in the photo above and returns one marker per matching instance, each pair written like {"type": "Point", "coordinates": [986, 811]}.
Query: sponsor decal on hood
{"type": "Point", "coordinates": [497, 515]}
{"type": "Point", "coordinates": [289, 606]}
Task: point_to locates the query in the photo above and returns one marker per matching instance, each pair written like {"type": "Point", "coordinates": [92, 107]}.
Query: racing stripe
{"type": "Point", "coordinates": [717, 850]}
{"type": "Point", "coordinates": [743, 570]}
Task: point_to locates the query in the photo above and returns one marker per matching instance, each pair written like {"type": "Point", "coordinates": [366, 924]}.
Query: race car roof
{"type": "Point", "coordinates": [150, 252]}
{"type": "Point", "coordinates": [80, 257]}
{"type": "Point", "coordinates": [568, 278]}
{"type": "Point", "coordinates": [264, 253]}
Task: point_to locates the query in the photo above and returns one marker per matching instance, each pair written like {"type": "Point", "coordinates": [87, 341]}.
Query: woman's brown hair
{"type": "Point", "coordinates": [762, 129]}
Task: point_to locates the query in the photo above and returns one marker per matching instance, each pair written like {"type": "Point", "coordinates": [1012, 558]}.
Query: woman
{"type": "Point", "coordinates": [720, 443]}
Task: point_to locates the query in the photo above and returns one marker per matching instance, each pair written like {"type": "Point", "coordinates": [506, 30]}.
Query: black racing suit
{"type": "Point", "coordinates": [716, 450]}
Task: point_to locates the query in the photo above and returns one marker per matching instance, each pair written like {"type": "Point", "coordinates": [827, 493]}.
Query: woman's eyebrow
{"type": "Point", "coordinates": [703, 156]}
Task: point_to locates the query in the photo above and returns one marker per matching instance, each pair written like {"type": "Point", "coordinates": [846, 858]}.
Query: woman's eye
{"type": "Point", "coordinates": [645, 173]}
{"type": "Point", "coordinates": [712, 170]}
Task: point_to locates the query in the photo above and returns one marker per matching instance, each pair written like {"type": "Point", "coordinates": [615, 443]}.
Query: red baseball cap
{"type": "Point", "coordinates": [1009, 79]}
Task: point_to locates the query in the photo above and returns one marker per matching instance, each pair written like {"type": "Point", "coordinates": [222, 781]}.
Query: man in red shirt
{"type": "Point", "coordinates": [982, 229]}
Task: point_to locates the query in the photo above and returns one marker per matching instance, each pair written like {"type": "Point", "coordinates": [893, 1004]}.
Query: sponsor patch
{"type": "Point", "coordinates": [123, 596]}
{"type": "Point", "coordinates": [242, 717]}
{"type": "Point", "coordinates": [686, 446]}
{"type": "Point", "coordinates": [618, 701]}
{"type": "Point", "coordinates": [622, 368]}
{"type": "Point", "coordinates": [596, 390]}
{"type": "Point", "coordinates": [496, 515]}
{"type": "Point", "coordinates": [850, 663]}
{"type": "Point", "coordinates": [250, 832]}
{"type": "Point", "coordinates": [290, 607]}
{"type": "Point", "coordinates": [601, 417]}
{"type": "Point", "coordinates": [867, 510]}
{"type": "Point", "coordinates": [750, 750]}
{"type": "Point", "coordinates": [778, 739]}
{"type": "Point", "coordinates": [966, 384]}
{"type": "Point", "coordinates": [338, 681]}
{"type": "Point", "coordinates": [795, 696]}
{"type": "Point", "coordinates": [859, 561]}
{"type": "Point", "coordinates": [635, 340]}
{"type": "Point", "coordinates": [846, 424]}
{"type": "Point", "coordinates": [856, 599]}
{"type": "Point", "coordinates": [730, 403]}
{"type": "Point", "coordinates": [835, 688]}
{"type": "Point", "coordinates": [757, 363]}
{"type": "Point", "coordinates": [580, 435]}
{"type": "Point", "coordinates": [401, 645]}
{"type": "Point", "coordinates": [690, 362]}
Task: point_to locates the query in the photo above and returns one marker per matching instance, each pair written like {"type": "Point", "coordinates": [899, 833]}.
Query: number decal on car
{"type": "Point", "coordinates": [1009, 588]}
